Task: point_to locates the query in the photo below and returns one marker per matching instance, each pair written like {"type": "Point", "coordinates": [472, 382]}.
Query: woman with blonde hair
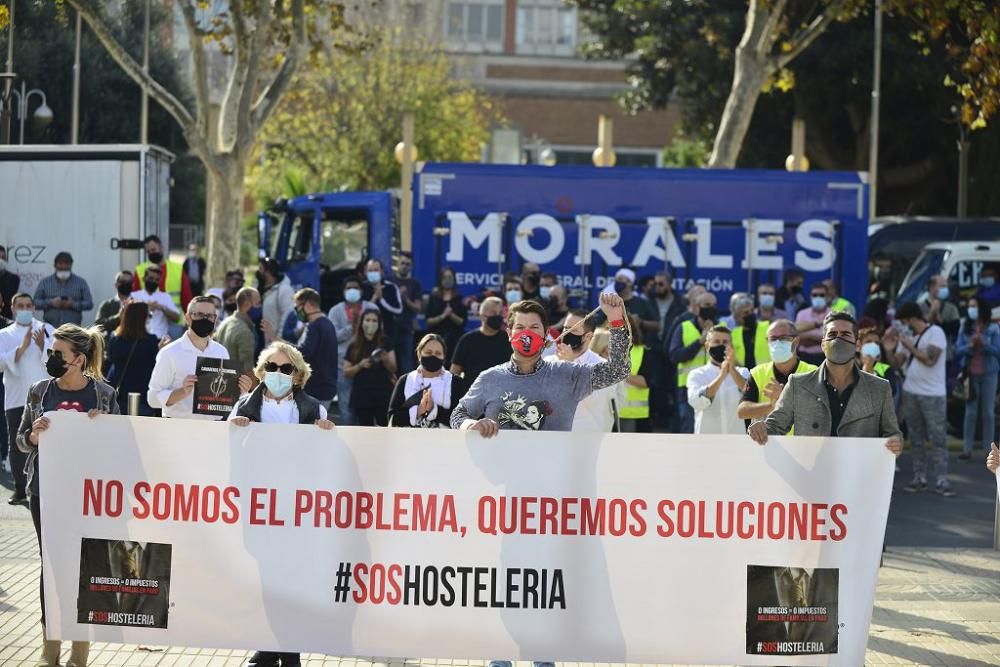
{"type": "Point", "coordinates": [279, 399]}
{"type": "Point", "coordinates": [424, 398]}
{"type": "Point", "coordinates": [76, 384]}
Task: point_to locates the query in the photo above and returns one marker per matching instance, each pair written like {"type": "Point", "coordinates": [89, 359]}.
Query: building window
{"type": "Point", "coordinates": [546, 27]}
{"type": "Point", "coordinates": [475, 26]}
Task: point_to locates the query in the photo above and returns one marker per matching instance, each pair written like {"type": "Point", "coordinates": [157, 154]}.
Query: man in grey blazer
{"type": "Point", "coordinates": [836, 399]}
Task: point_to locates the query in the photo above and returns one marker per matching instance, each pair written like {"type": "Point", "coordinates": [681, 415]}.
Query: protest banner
{"type": "Point", "coordinates": [430, 543]}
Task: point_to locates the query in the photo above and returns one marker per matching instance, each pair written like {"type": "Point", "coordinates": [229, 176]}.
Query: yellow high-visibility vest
{"type": "Point", "coordinates": [689, 334]}
{"type": "Point", "coordinates": [173, 283]}
{"type": "Point", "coordinates": [761, 352]}
{"type": "Point", "coordinates": [636, 398]}
{"type": "Point", "coordinates": [762, 374]}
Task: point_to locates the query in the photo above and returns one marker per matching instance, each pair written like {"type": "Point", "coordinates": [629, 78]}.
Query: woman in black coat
{"type": "Point", "coordinates": [131, 356]}
{"type": "Point", "coordinates": [424, 398]}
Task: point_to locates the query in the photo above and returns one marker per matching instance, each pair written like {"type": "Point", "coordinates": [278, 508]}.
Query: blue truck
{"type": "Point", "coordinates": [729, 230]}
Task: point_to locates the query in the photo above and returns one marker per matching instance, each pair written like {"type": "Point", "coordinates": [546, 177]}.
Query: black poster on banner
{"type": "Point", "coordinates": [124, 583]}
{"type": "Point", "coordinates": [792, 610]}
{"type": "Point", "coordinates": [217, 388]}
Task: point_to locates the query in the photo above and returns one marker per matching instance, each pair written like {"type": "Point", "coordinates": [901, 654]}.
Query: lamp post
{"type": "Point", "coordinates": [43, 114]}
{"type": "Point", "coordinates": [8, 84]}
{"type": "Point", "coordinates": [406, 154]}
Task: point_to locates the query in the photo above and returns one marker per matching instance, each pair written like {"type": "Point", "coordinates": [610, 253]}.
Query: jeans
{"type": "Point", "coordinates": [685, 413]}
{"type": "Point", "coordinates": [17, 457]}
{"type": "Point", "coordinates": [926, 419]}
{"type": "Point", "coordinates": [344, 385]}
{"type": "Point", "coordinates": [36, 518]}
{"type": "Point", "coordinates": [983, 396]}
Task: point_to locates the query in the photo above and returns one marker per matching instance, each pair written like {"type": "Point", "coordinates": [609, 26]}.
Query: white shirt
{"type": "Point", "coordinates": [925, 380]}
{"type": "Point", "coordinates": [175, 362]}
{"type": "Point", "coordinates": [285, 411]}
{"type": "Point", "coordinates": [158, 325]}
{"type": "Point", "coordinates": [18, 376]}
{"type": "Point", "coordinates": [716, 414]}
{"type": "Point", "coordinates": [595, 413]}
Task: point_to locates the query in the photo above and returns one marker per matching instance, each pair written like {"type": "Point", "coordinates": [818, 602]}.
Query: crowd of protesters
{"type": "Point", "coordinates": [786, 359]}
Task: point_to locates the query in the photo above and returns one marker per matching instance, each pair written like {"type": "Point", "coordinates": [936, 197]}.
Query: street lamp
{"type": "Point", "coordinates": [43, 114]}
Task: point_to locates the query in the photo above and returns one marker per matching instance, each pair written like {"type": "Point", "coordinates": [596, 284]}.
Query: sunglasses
{"type": "Point", "coordinates": [287, 369]}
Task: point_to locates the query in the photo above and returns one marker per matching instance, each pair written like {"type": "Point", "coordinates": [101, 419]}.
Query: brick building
{"type": "Point", "coordinates": [526, 55]}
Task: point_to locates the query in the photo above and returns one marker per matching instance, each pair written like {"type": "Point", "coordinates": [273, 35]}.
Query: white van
{"type": "Point", "coordinates": [961, 261]}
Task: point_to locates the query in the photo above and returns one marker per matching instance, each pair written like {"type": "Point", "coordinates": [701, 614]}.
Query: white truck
{"type": "Point", "coordinates": [96, 201]}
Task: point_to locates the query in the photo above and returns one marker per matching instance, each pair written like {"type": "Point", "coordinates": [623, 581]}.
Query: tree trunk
{"type": "Point", "coordinates": [750, 73]}
{"type": "Point", "coordinates": [225, 217]}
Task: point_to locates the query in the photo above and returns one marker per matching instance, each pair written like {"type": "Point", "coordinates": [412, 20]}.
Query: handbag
{"type": "Point", "coordinates": [962, 390]}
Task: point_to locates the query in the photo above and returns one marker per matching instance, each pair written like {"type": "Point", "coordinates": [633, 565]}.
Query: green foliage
{"type": "Point", "coordinates": [684, 151]}
{"type": "Point", "coordinates": [109, 99]}
{"type": "Point", "coordinates": [341, 119]}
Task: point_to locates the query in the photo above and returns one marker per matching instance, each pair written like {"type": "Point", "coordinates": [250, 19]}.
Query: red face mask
{"type": "Point", "coordinates": [527, 343]}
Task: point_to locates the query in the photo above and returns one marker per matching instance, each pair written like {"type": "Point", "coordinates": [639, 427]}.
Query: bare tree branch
{"type": "Point", "coordinates": [776, 12]}
{"type": "Point", "coordinates": [805, 37]}
{"type": "Point", "coordinates": [133, 69]}
{"type": "Point", "coordinates": [258, 47]}
{"type": "Point", "coordinates": [243, 50]}
{"type": "Point", "coordinates": [200, 75]}
{"type": "Point", "coordinates": [269, 98]}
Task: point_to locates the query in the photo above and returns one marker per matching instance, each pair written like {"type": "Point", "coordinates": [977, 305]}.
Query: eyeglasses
{"type": "Point", "coordinates": [820, 295]}
{"type": "Point", "coordinates": [287, 369]}
{"type": "Point", "coordinates": [54, 353]}
{"type": "Point", "coordinates": [204, 316]}
{"type": "Point", "coordinates": [784, 339]}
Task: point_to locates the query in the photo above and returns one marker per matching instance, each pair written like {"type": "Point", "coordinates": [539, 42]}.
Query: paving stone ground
{"type": "Point", "coordinates": [933, 607]}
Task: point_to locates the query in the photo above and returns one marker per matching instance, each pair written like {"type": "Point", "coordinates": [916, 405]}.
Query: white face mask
{"type": "Point", "coordinates": [3, 265]}
{"type": "Point", "coordinates": [63, 275]}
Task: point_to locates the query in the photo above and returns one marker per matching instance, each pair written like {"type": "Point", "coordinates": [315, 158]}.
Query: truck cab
{"type": "Point", "coordinates": [320, 238]}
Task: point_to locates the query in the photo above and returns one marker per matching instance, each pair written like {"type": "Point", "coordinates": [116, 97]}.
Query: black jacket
{"type": "Point", "coordinates": [249, 405]}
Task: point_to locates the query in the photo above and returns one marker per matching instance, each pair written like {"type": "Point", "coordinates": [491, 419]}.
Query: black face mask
{"type": "Point", "coordinates": [155, 257]}
{"type": "Point", "coordinates": [708, 313]}
{"type": "Point", "coordinates": [495, 322]}
{"type": "Point", "coordinates": [574, 340]}
{"type": "Point", "coordinates": [795, 289]}
{"type": "Point", "coordinates": [55, 366]}
{"type": "Point", "coordinates": [750, 321]}
{"type": "Point", "coordinates": [718, 353]}
{"type": "Point", "coordinates": [431, 364]}
{"type": "Point", "coordinates": [202, 328]}
{"type": "Point", "coordinates": [124, 289]}
{"type": "Point", "coordinates": [230, 308]}
{"type": "Point", "coordinates": [151, 286]}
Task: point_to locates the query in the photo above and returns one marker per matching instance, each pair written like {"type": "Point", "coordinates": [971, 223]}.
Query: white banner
{"type": "Point", "coordinates": [408, 542]}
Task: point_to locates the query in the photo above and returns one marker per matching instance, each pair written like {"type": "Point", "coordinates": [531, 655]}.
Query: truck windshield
{"type": "Point", "coordinates": [928, 264]}
{"type": "Point", "coordinates": [343, 239]}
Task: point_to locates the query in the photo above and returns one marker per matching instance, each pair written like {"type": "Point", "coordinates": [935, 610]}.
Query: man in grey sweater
{"type": "Point", "coordinates": [532, 394]}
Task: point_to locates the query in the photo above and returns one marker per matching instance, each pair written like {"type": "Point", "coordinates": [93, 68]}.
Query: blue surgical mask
{"type": "Point", "coordinates": [513, 296]}
{"type": "Point", "coordinates": [352, 294]}
{"type": "Point", "coordinates": [278, 383]}
{"type": "Point", "coordinates": [374, 276]}
{"type": "Point", "coordinates": [989, 281]}
{"type": "Point", "coordinates": [943, 293]}
{"type": "Point", "coordinates": [871, 350]}
{"type": "Point", "coordinates": [819, 302]}
{"type": "Point", "coordinates": [767, 300]}
{"type": "Point", "coordinates": [24, 317]}
{"type": "Point", "coordinates": [973, 313]}
{"type": "Point", "coordinates": [781, 350]}
{"type": "Point", "coordinates": [545, 291]}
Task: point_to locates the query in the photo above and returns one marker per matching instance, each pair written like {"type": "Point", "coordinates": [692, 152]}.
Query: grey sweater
{"type": "Point", "coordinates": [545, 399]}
